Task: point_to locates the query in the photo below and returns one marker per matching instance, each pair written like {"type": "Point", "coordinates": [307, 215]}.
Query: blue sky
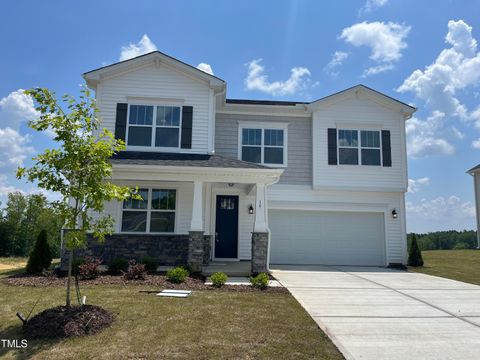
{"type": "Point", "coordinates": [427, 56]}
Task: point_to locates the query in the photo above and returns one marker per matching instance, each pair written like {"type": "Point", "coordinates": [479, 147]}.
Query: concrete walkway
{"type": "Point", "coordinates": [376, 313]}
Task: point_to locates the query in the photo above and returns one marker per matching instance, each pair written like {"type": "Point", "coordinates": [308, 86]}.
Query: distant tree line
{"type": "Point", "coordinates": [446, 240]}
{"type": "Point", "coordinates": [22, 218]}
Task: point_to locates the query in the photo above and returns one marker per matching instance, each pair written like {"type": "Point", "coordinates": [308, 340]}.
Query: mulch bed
{"type": "Point", "coordinates": [159, 282]}
{"type": "Point", "coordinates": [62, 322]}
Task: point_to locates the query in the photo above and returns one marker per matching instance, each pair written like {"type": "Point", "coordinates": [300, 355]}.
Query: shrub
{"type": "Point", "coordinates": [414, 254]}
{"type": "Point", "coordinates": [150, 264]}
{"type": "Point", "coordinates": [260, 281]}
{"type": "Point", "coordinates": [89, 269]}
{"type": "Point", "coordinates": [188, 268]}
{"type": "Point", "coordinates": [219, 279]}
{"type": "Point", "coordinates": [177, 275]}
{"type": "Point", "coordinates": [40, 258]}
{"type": "Point", "coordinates": [118, 266]}
{"type": "Point", "coordinates": [135, 271]}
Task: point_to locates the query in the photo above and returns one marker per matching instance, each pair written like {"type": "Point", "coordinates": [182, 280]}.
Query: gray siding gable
{"type": "Point", "coordinates": [299, 169]}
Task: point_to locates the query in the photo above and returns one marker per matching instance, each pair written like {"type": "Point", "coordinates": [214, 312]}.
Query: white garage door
{"type": "Point", "coordinates": [324, 237]}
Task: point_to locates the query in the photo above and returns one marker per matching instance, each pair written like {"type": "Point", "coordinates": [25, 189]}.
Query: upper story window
{"type": "Point", "coordinates": [263, 145]}
{"type": "Point", "coordinates": [351, 151]}
{"type": "Point", "coordinates": [154, 213]}
{"type": "Point", "coordinates": [157, 126]}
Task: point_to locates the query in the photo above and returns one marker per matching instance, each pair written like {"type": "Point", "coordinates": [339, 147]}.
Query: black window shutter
{"type": "Point", "coordinates": [187, 115]}
{"type": "Point", "coordinates": [332, 146]}
{"type": "Point", "coordinates": [121, 121]}
{"type": "Point", "coordinates": [386, 148]}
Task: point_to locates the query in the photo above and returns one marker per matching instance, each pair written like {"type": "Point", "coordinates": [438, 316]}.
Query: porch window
{"type": "Point", "coordinates": [155, 213]}
{"type": "Point", "coordinates": [157, 126]}
{"type": "Point", "coordinates": [263, 146]}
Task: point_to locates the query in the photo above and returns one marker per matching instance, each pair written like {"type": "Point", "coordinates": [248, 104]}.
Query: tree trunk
{"type": "Point", "coordinates": [70, 263]}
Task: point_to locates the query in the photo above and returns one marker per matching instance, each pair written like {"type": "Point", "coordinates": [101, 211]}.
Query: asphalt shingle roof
{"type": "Point", "coordinates": [174, 159]}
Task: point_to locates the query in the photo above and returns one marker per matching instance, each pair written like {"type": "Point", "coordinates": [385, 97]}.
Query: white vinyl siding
{"type": "Point", "coordinates": [159, 85]}
{"type": "Point", "coordinates": [363, 114]}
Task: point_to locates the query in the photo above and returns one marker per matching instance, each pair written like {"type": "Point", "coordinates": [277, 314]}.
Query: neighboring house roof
{"type": "Point", "coordinates": [175, 159]}
{"type": "Point", "coordinates": [474, 169]}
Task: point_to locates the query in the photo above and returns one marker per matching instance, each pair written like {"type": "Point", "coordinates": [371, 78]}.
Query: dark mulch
{"type": "Point", "coordinates": [62, 322]}
{"type": "Point", "coordinates": [159, 282]}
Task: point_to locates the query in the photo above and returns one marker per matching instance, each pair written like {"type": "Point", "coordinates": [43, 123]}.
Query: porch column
{"type": "Point", "coordinates": [196, 241]}
{"type": "Point", "coordinates": [260, 232]}
{"type": "Point", "coordinates": [197, 208]}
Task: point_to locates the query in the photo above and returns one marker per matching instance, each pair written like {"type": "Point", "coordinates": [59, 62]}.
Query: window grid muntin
{"type": "Point", "coordinates": [262, 145]}
{"type": "Point", "coordinates": [359, 146]}
{"type": "Point", "coordinates": [149, 211]}
{"type": "Point", "coordinates": [154, 125]}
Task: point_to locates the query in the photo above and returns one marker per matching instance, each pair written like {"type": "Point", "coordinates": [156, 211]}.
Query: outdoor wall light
{"type": "Point", "coordinates": [250, 210]}
{"type": "Point", "coordinates": [394, 213]}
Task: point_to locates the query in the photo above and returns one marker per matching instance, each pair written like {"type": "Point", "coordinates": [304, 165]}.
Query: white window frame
{"type": "Point", "coordinates": [264, 126]}
{"type": "Point", "coordinates": [149, 211]}
{"type": "Point", "coordinates": [154, 126]}
{"type": "Point", "coordinates": [359, 147]}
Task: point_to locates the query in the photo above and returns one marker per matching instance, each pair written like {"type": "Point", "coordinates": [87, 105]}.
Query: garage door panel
{"type": "Point", "coordinates": [330, 238]}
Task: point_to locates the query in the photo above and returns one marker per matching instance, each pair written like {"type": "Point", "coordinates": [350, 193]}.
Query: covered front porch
{"type": "Point", "coordinates": [219, 204]}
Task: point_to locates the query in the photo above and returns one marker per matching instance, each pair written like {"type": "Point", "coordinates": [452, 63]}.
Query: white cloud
{"type": "Point", "coordinates": [476, 144]}
{"type": "Point", "coordinates": [442, 208]}
{"type": "Point", "coordinates": [205, 67]}
{"type": "Point", "coordinates": [374, 70]}
{"type": "Point", "coordinates": [371, 5]}
{"type": "Point", "coordinates": [455, 68]}
{"type": "Point", "coordinates": [5, 187]}
{"type": "Point", "coordinates": [415, 186]}
{"type": "Point", "coordinates": [426, 137]}
{"type": "Point", "coordinates": [144, 46]}
{"type": "Point", "coordinates": [338, 58]}
{"type": "Point", "coordinates": [16, 108]}
{"type": "Point", "coordinates": [256, 80]}
{"type": "Point", "coordinates": [14, 148]}
{"type": "Point", "coordinates": [385, 40]}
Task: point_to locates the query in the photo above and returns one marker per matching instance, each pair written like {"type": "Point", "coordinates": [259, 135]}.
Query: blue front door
{"type": "Point", "coordinates": [226, 227]}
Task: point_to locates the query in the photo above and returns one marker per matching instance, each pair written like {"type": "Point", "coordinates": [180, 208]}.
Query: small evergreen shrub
{"type": "Point", "coordinates": [188, 268]}
{"type": "Point", "coordinates": [40, 258]}
{"type": "Point", "coordinates": [219, 279]}
{"type": "Point", "coordinates": [150, 264]}
{"type": "Point", "coordinates": [414, 254]}
{"type": "Point", "coordinates": [135, 271]}
{"type": "Point", "coordinates": [118, 266]}
{"type": "Point", "coordinates": [177, 275]}
{"type": "Point", "coordinates": [89, 269]}
{"type": "Point", "coordinates": [260, 281]}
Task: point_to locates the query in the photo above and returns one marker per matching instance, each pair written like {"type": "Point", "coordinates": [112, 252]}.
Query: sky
{"type": "Point", "coordinates": [425, 55]}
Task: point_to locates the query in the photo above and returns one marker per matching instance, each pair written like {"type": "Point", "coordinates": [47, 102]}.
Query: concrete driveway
{"type": "Point", "coordinates": [381, 314]}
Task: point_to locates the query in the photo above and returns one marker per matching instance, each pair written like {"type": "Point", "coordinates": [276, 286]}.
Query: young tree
{"type": "Point", "coordinates": [40, 258]}
{"type": "Point", "coordinates": [79, 170]}
{"type": "Point", "coordinates": [415, 255]}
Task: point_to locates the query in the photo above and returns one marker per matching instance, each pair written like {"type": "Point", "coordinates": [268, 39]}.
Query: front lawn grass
{"type": "Point", "coordinates": [462, 265]}
{"type": "Point", "coordinates": [209, 324]}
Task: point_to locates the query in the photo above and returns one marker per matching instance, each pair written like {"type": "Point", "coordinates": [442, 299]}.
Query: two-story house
{"type": "Point", "coordinates": [272, 182]}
